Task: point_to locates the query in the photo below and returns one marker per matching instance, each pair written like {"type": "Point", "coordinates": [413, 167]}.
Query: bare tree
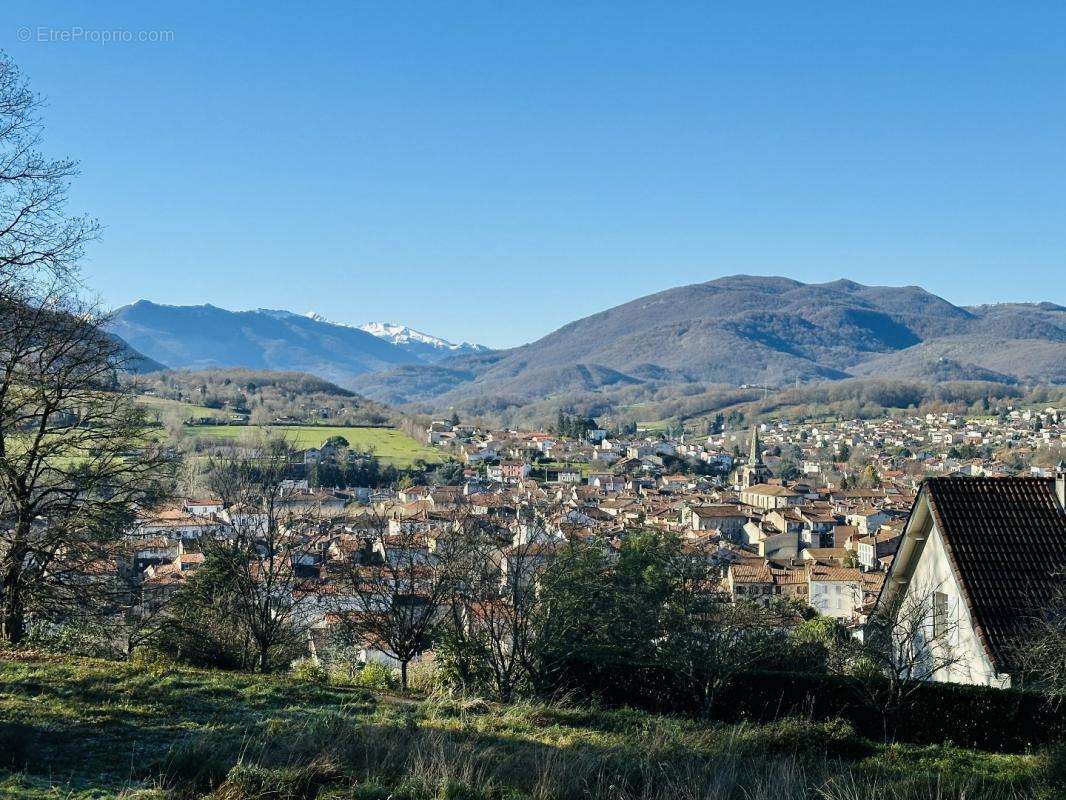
{"type": "Point", "coordinates": [397, 588]}
{"type": "Point", "coordinates": [149, 614]}
{"type": "Point", "coordinates": [496, 611]}
{"type": "Point", "coordinates": [73, 460]}
{"type": "Point", "coordinates": [1040, 652]}
{"type": "Point", "coordinates": [910, 639]}
{"type": "Point", "coordinates": [38, 241]}
{"type": "Point", "coordinates": [268, 554]}
{"type": "Point", "coordinates": [711, 642]}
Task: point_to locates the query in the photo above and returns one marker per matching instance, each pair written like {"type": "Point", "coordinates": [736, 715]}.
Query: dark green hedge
{"type": "Point", "coordinates": [968, 716]}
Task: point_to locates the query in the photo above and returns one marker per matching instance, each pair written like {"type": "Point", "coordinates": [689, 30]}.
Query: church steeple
{"type": "Point", "coordinates": [755, 455]}
{"type": "Point", "coordinates": [754, 471]}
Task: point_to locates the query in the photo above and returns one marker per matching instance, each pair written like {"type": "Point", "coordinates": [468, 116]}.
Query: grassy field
{"type": "Point", "coordinates": [81, 729]}
{"type": "Point", "coordinates": [162, 405]}
{"type": "Point", "coordinates": [391, 445]}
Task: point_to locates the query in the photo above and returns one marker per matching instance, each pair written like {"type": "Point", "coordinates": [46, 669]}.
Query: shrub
{"type": "Point", "coordinates": [803, 737]}
{"type": "Point", "coordinates": [342, 662]}
{"type": "Point", "coordinates": [460, 666]}
{"type": "Point", "coordinates": [1001, 720]}
{"type": "Point", "coordinates": [309, 670]}
{"type": "Point", "coordinates": [1053, 771]}
{"type": "Point", "coordinates": [377, 677]}
{"type": "Point", "coordinates": [969, 716]}
{"type": "Point", "coordinates": [248, 782]}
{"type": "Point", "coordinates": [422, 677]}
{"type": "Point", "coordinates": [77, 638]}
{"type": "Point", "coordinates": [197, 764]}
{"type": "Point", "coordinates": [149, 659]}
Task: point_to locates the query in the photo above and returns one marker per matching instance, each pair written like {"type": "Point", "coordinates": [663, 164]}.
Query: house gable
{"type": "Point", "coordinates": [997, 544]}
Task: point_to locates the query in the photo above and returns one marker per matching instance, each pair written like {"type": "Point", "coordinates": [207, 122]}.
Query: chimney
{"type": "Point", "coordinates": [1060, 483]}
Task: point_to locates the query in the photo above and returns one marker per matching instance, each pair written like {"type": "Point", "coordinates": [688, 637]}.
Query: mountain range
{"type": "Point", "coordinates": [748, 330]}
{"type": "Point", "coordinates": [204, 337]}
{"type": "Point", "coordinates": [735, 330]}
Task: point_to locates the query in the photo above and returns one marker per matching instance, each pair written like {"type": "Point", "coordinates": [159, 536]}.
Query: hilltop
{"type": "Point", "coordinates": [263, 394]}
{"type": "Point", "coordinates": [740, 330]}
{"type": "Point", "coordinates": [207, 337]}
{"type": "Point", "coordinates": [426, 346]}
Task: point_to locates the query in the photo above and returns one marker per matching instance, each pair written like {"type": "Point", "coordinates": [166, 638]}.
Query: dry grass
{"type": "Point", "coordinates": [92, 729]}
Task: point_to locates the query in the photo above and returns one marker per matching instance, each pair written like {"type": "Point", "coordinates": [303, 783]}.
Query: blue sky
{"type": "Point", "coordinates": [491, 170]}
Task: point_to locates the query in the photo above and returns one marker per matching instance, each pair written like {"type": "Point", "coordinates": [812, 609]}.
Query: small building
{"type": "Point", "coordinates": [835, 591]}
{"type": "Point", "coordinates": [728, 519]}
{"type": "Point", "coordinates": [770, 496]}
{"type": "Point", "coordinates": [875, 548]}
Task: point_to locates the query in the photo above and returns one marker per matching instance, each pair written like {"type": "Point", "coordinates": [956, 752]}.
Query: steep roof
{"type": "Point", "coordinates": [772, 490]}
{"type": "Point", "coordinates": [1006, 540]}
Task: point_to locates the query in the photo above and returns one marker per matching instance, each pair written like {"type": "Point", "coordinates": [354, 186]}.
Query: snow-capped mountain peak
{"type": "Point", "coordinates": [425, 346]}
{"type": "Point", "coordinates": [402, 334]}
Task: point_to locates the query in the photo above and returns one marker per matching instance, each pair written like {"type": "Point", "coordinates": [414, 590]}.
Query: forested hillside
{"type": "Point", "coordinates": [769, 332]}
{"type": "Point", "coordinates": [261, 397]}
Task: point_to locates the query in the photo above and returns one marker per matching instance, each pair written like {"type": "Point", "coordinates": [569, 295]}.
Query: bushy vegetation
{"type": "Point", "coordinates": [633, 628]}
{"type": "Point", "coordinates": [264, 395]}
{"type": "Point", "coordinates": [862, 398]}
{"type": "Point", "coordinates": [81, 729]}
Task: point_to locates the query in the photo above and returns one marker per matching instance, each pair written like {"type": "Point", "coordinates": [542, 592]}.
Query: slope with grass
{"type": "Point", "coordinates": [81, 729]}
{"type": "Point", "coordinates": [159, 407]}
{"type": "Point", "coordinates": [294, 396]}
{"type": "Point", "coordinates": [390, 445]}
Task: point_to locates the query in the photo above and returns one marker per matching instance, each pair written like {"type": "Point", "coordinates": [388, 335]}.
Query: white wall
{"type": "Point", "coordinates": [839, 599]}
{"type": "Point", "coordinates": [933, 573]}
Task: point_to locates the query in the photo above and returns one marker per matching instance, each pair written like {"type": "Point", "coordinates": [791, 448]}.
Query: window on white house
{"type": "Point", "coordinates": [941, 619]}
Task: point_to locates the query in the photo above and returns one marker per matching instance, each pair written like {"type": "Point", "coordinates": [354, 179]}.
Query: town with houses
{"type": "Point", "coordinates": [821, 540]}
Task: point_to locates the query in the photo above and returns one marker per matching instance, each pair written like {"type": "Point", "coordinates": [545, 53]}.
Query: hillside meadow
{"type": "Point", "coordinates": [160, 406]}
{"type": "Point", "coordinates": [83, 729]}
{"type": "Point", "coordinates": [391, 445]}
